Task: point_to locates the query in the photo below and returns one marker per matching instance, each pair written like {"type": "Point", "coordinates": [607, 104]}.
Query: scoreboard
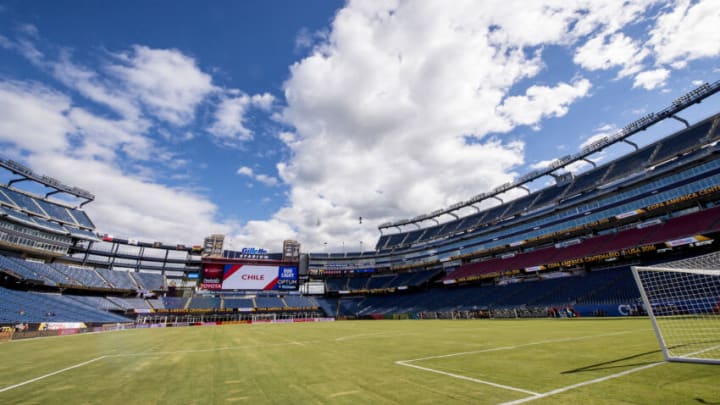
{"type": "Point", "coordinates": [249, 275]}
{"type": "Point", "coordinates": [254, 277]}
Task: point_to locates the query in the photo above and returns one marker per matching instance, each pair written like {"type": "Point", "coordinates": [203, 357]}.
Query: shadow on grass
{"type": "Point", "coordinates": [607, 365]}
{"type": "Point", "coordinates": [702, 401]}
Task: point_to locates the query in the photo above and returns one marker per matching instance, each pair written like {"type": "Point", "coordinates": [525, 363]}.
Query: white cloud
{"type": "Point", "coordinates": [400, 91]}
{"type": "Point", "coordinates": [266, 180]}
{"type": "Point", "coordinates": [681, 32]}
{"type": "Point", "coordinates": [168, 82]}
{"type": "Point", "coordinates": [687, 32]}
{"type": "Point", "coordinates": [651, 79]}
{"type": "Point", "coordinates": [603, 52]}
{"type": "Point", "coordinates": [269, 181]}
{"type": "Point", "coordinates": [135, 207]}
{"type": "Point", "coordinates": [92, 85]}
{"type": "Point", "coordinates": [34, 117]}
{"type": "Point", "coordinates": [110, 156]}
{"type": "Point", "coordinates": [411, 91]}
{"type": "Point", "coordinates": [231, 114]}
{"type": "Point", "coordinates": [245, 171]}
{"type": "Point", "coordinates": [103, 138]}
{"type": "Point", "coordinates": [542, 101]}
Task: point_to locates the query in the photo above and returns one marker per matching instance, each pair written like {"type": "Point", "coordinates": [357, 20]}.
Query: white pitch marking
{"type": "Point", "coordinates": [462, 377]}
{"type": "Point", "coordinates": [495, 349]}
{"type": "Point", "coordinates": [582, 384]}
{"type": "Point", "coordinates": [535, 395]}
{"type": "Point", "coordinates": [702, 351]}
{"type": "Point", "coordinates": [51, 374]}
{"type": "Point", "coordinates": [340, 394]}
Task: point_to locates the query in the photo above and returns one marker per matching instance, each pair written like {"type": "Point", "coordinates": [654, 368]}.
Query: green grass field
{"type": "Point", "coordinates": [380, 362]}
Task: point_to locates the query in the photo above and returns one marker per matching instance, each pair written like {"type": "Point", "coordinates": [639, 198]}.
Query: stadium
{"type": "Point", "coordinates": [481, 305]}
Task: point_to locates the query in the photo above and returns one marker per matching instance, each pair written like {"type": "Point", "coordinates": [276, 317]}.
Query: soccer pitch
{"type": "Point", "coordinates": [570, 361]}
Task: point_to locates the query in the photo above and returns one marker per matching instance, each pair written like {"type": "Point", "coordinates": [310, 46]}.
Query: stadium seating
{"type": "Point", "coordinates": [17, 268]}
{"type": "Point", "coordinates": [683, 226]}
{"type": "Point", "coordinates": [629, 165]}
{"type": "Point", "coordinates": [238, 303]}
{"type": "Point", "coordinates": [148, 281]}
{"type": "Point", "coordinates": [84, 277]}
{"type": "Point", "coordinates": [202, 302]}
{"type": "Point", "coordinates": [55, 211]}
{"type": "Point", "coordinates": [681, 142]}
{"type": "Point", "coordinates": [130, 303]}
{"type": "Point", "coordinates": [156, 303]}
{"type": "Point", "coordinates": [265, 302]}
{"type": "Point", "coordinates": [297, 301]}
{"type": "Point", "coordinates": [174, 302]}
{"type": "Point", "coordinates": [30, 307]}
{"type": "Point", "coordinates": [587, 181]}
{"type": "Point", "coordinates": [597, 287]}
{"type": "Point", "coordinates": [82, 218]}
{"type": "Point", "coordinates": [23, 201]}
{"type": "Point", "coordinates": [328, 305]}
{"type": "Point", "coordinates": [336, 284]}
{"type": "Point", "coordinates": [118, 279]}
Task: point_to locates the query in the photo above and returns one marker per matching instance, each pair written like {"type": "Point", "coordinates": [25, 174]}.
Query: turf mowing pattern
{"type": "Point", "coordinates": [573, 361]}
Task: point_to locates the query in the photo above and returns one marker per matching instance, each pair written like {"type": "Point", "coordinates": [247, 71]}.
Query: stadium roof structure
{"type": "Point", "coordinates": [28, 174]}
{"type": "Point", "coordinates": [693, 97]}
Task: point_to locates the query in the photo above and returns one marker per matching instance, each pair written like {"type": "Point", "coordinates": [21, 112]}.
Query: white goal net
{"type": "Point", "coordinates": [683, 301]}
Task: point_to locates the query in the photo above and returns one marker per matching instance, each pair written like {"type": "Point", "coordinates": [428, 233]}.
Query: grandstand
{"type": "Point", "coordinates": [565, 248]}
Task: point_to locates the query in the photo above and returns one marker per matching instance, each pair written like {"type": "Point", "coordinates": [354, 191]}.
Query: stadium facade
{"type": "Point", "coordinates": [563, 250]}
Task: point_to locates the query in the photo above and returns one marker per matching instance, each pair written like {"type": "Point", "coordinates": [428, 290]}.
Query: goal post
{"type": "Point", "coordinates": [264, 317]}
{"type": "Point", "coordinates": [683, 304]}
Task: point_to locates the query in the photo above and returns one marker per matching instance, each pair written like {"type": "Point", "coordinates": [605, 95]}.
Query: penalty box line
{"type": "Point", "coordinates": [533, 395]}
{"type": "Point", "coordinates": [583, 384]}
{"type": "Point", "coordinates": [8, 388]}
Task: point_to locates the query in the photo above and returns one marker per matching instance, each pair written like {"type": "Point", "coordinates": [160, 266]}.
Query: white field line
{"type": "Point", "coordinates": [51, 374]}
{"type": "Point", "coordinates": [495, 349]}
{"type": "Point", "coordinates": [463, 377]}
{"type": "Point", "coordinates": [148, 354]}
{"type": "Point", "coordinates": [65, 336]}
{"type": "Point", "coordinates": [700, 352]}
{"type": "Point", "coordinates": [582, 384]}
{"type": "Point", "coordinates": [534, 395]}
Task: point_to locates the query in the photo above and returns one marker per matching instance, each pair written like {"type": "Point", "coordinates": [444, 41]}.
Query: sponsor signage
{"type": "Point", "coordinates": [247, 253]}
{"type": "Point", "coordinates": [212, 277]}
{"type": "Point", "coordinates": [686, 241]}
{"type": "Point", "coordinates": [628, 214]}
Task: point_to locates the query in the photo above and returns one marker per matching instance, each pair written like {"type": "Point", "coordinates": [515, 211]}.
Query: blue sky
{"type": "Point", "coordinates": [280, 120]}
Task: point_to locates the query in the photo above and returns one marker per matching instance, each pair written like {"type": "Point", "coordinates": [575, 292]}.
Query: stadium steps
{"type": "Point", "coordinates": [134, 281]}
{"type": "Point", "coordinates": [187, 304]}
{"type": "Point", "coordinates": [42, 277]}
{"type": "Point", "coordinates": [109, 285]}
{"type": "Point", "coordinates": [70, 277]}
